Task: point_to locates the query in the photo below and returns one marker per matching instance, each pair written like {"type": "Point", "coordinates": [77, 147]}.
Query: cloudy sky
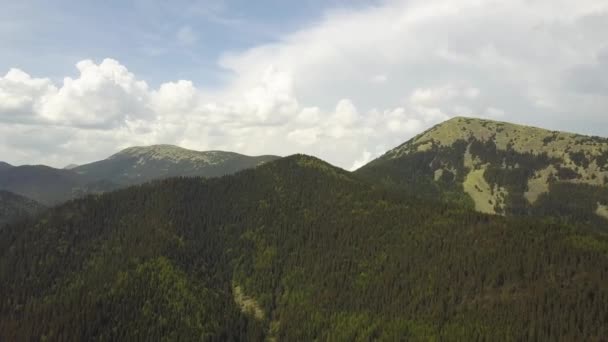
{"type": "Point", "coordinates": [342, 80]}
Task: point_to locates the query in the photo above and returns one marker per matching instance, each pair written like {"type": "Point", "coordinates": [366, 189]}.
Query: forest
{"type": "Point", "coordinates": [296, 250]}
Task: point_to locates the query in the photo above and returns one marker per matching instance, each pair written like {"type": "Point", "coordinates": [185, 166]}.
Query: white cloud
{"type": "Point", "coordinates": [104, 95]}
{"type": "Point", "coordinates": [426, 96]}
{"type": "Point", "coordinates": [365, 158]}
{"type": "Point", "coordinates": [494, 113]}
{"type": "Point", "coordinates": [21, 95]}
{"type": "Point", "coordinates": [173, 99]}
{"type": "Point", "coordinates": [304, 137]}
{"type": "Point", "coordinates": [345, 88]}
{"type": "Point", "coordinates": [379, 79]}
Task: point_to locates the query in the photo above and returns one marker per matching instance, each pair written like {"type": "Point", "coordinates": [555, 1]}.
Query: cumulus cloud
{"type": "Point", "coordinates": [21, 96]}
{"type": "Point", "coordinates": [346, 88]}
{"type": "Point", "coordinates": [103, 96]}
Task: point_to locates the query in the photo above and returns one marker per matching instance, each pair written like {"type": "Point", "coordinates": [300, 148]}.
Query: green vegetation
{"type": "Point", "coordinates": [573, 203]}
{"type": "Point", "coordinates": [14, 207]}
{"type": "Point", "coordinates": [321, 253]}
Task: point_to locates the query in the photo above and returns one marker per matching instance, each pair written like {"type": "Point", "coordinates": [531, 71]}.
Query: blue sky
{"type": "Point", "coordinates": [158, 40]}
{"type": "Point", "coordinates": [341, 80]}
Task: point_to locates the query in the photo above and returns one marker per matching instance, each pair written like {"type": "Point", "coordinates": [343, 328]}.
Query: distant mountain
{"type": "Point", "coordinates": [296, 250]}
{"type": "Point", "coordinates": [131, 166]}
{"type": "Point", "coordinates": [503, 168]}
{"type": "Point", "coordinates": [41, 183]}
{"type": "Point", "coordinates": [143, 163]}
{"type": "Point", "coordinates": [14, 207]}
{"type": "Point", "coordinates": [70, 166]}
{"type": "Point", "coordinates": [4, 166]}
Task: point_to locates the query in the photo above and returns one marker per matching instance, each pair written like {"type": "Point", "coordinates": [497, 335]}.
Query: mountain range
{"type": "Point", "coordinates": [472, 230]}
{"type": "Point", "coordinates": [134, 165]}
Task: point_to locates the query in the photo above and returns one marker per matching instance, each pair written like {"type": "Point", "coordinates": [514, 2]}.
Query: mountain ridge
{"type": "Point", "coordinates": [138, 164]}
{"type": "Point", "coordinates": [4, 166]}
{"type": "Point", "coordinates": [520, 138]}
{"type": "Point", "coordinates": [172, 152]}
{"type": "Point", "coordinates": [130, 166]}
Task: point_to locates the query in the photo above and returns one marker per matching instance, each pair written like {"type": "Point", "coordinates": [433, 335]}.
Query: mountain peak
{"type": "Point", "coordinates": [139, 164]}
{"type": "Point", "coordinates": [503, 167]}
{"type": "Point", "coordinates": [310, 164]}
{"type": "Point", "coordinates": [506, 136]}
{"type": "Point", "coordinates": [172, 153]}
{"type": "Point", "coordinates": [70, 166]}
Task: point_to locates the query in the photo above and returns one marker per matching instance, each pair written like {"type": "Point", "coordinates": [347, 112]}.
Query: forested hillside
{"type": "Point", "coordinates": [14, 207]}
{"type": "Point", "coordinates": [297, 250]}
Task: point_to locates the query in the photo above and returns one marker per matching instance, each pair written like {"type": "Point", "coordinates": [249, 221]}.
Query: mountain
{"type": "Point", "coordinates": [70, 166]}
{"type": "Point", "coordinates": [14, 207]}
{"type": "Point", "coordinates": [297, 250]}
{"type": "Point", "coordinates": [4, 166]}
{"type": "Point", "coordinates": [43, 184]}
{"type": "Point", "coordinates": [503, 168]}
{"type": "Point", "coordinates": [133, 165]}
{"type": "Point", "coordinates": [136, 165]}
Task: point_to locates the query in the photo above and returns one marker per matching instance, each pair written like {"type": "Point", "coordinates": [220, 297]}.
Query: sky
{"type": "Point", "coordinates": [341, 80]}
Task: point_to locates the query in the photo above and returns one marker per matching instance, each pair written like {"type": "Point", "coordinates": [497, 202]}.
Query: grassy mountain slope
{"type": "Point", "coordinates": [136, 165]}
{"type": "Point", "coordinates": [14, 207]}
{"type": "Point", "coordinates": [504, 168]}
{"type": "Point", "coordinates": [296, 250]}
